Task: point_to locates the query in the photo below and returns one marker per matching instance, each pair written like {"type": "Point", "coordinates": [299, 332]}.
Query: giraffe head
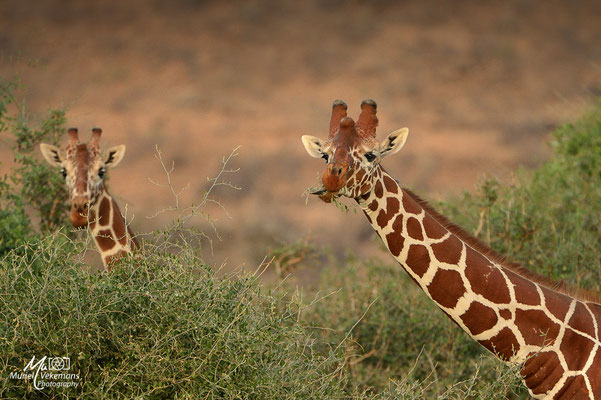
{"type": "Point", "coordinates": [351, 151]}
{"type": "Point", "coordinates": [84, 170]}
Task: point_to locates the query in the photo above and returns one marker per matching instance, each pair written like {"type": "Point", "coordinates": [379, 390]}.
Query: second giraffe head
{"type": "Point", "coordinates": [351, 151]}
{"type": "Point", "coordinates": [84, 171]}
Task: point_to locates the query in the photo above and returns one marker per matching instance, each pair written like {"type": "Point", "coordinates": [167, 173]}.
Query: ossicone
{"type": "Point", "coordinates": [73, 136]}
{"type": "Point", "coordinates": [368, 122]}
{"type": "Point", "coordinates": [95, 141]}
{"type": "Point", "coordinates": [339, 108]}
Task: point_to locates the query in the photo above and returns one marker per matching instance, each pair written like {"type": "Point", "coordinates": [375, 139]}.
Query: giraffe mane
{"type": "Point", "coordinates": [494, 256]}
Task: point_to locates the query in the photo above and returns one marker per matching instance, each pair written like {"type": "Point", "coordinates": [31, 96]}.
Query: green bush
{"type": "Point", "coordinates": [549, 219]}
{"type": "Point", "coordinates": [31, 187]}
{"type": "Point", "coordinates": [160, 325]}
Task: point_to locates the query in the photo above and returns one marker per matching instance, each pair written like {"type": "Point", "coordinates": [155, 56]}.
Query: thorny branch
{"type": "Point", "coordinates": [185, 213]}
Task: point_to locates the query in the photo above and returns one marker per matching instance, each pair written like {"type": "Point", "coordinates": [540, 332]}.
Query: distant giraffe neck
{"type": "Point", "coordinates": [112, 235]}
{"type": "Point", "coordinates": [518, 318]}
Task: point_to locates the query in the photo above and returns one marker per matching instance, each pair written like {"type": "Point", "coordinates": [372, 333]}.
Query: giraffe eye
{"type": "Point", "coordinates": [370, 156]}
{"type": "Point", "coordinates": [324, 156]}
{"type": "Point", "coordinates": [101, 172]}
{"type": "Point", "coordinates": [64, 173]}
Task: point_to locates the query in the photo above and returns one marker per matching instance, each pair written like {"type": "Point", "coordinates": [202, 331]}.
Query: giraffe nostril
{"type": "Point", "coordinates": [335, 170]}
{"type": "Point", "coordinates": [81, 207]}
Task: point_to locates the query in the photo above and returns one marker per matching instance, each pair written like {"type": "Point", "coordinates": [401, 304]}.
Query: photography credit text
{"type": "Point", "coordinates": [48, 372]}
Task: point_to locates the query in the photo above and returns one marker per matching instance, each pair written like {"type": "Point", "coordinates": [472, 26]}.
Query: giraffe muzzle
{"type": "Point", "coordinates": [335, 176]}
{"type": "Point", "coordinates": [79, 212]}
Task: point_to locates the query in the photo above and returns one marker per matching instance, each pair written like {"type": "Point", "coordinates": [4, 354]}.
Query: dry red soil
{"type": "Point", "coordinates": [479, 84]}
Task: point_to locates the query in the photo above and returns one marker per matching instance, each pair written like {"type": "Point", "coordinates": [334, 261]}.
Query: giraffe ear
{"type": "Point", "coordinates": [52, 154]}
{"type": "Point", "coordinates": [114, 155]}
{"type": "Point", "coordinates": [312, 145]}
{"type": "Point", "coordinates": [394, 142]}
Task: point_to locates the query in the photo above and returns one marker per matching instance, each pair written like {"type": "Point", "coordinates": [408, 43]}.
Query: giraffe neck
{"type": "Point", "coordinates": [519, 319]}
{"type": "Point", "coordinates": [112, 235]}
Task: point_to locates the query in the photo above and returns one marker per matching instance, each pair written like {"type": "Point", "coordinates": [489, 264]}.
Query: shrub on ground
{"type": "Point", "coordinates": [160, 325]}
{"type": "Point", "coordinates": [30, 189]}
{"type": "Point", "coordinates": [548, 220]}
